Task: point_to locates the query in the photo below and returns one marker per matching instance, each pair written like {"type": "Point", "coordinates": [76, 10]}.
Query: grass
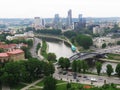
{"type": "Point", "coordinates": [41, 83]}
{"type": "Point", "coordinates": [17, 87]}
{"type": "Point", "coordinates": [113, 56]}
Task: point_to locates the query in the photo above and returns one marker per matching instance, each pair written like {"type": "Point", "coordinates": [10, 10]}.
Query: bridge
{"type": "Point", "coordinates": [83, 56]}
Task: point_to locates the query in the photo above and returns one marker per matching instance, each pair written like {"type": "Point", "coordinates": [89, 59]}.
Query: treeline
{"type": "Point", "coordinates": [80, 39]}
{"type": "Point", "coordinates": [25, 71]}
{"type": "Point", "coordinates": [29, 42]}
{"type": "Point", "coordinates": [43, 49]}
{"type": "Point", "coordinates": [50, 31]}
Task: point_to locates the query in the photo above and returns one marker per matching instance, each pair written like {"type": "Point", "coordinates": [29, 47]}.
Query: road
{"type": "Point", "coordinates": [85, 78]}
{"type": "Point", "coordinates": [33, 49]}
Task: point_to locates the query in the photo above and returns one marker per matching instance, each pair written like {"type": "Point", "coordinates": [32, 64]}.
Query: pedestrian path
{"type": "Point", "coordinates": [5, 87]}
{"type": "Point", "coordinates": [30, 85]}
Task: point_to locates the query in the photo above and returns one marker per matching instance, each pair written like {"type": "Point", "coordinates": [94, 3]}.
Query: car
{"type": "Point", "coordinates": [77, 80]}
{"type": "Point", "coordinates": [84, 76]}
{"type": "Point", "coordinates": [79, 76]}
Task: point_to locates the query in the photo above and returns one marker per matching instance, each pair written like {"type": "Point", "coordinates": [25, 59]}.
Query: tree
{"type": "Point", "coordinates": [1, 50]}
{"type": "Point", "coordinates": [27, 52]}
{"type": "Point", "coordinates": [104, 45]}
{"type": "Point", "coordinates": [118, 42]}
{"type": "Point", "coordinates": [48, 69]}
{"type": "Point", "coordinates": [118, 69]}
{"type": "Point", "coordinates": [98, 67]}
{"type": "Point", "coordinates": [109, 69]}
{"type": "Point", "coordinates": [79, 66]}
{"type": "Point", "coordinates": [49, 83]}
{"type": "Point", "coordinates": [68, 86]}
{"type": "Point", "coordinates": [66, 63]}
{"type": "Point", "coordinates": [84, 41]}
{"type": "Point", "coordinates": [51, 68]}
{"type": "Point", "coordinates": [70, 34]}
{"type": "Point", "coordinates": [74, 66]}
{"type": "Point", "coordinates": [61, 62]}
{"type": "Point", "coordinates": [12, 73]}
{"type": "Point", "coordinates": [51, 57]}
{"type": "Point", "coordinates": [84, 66]}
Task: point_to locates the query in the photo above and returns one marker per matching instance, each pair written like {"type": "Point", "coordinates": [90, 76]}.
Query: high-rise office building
{"type": "Point", "coordinates": [56, 19]}
{"type": "Point", "coordinates": [43, 22]}
{"type": "Point", "coordinates": [69, 18]}
{"type": "Point", "coordinates": [38, 23]}
{"type": "Point", "coordinates": [80, 18]}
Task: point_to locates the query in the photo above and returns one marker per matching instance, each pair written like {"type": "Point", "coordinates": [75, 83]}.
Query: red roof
{"type": "Point", "coordinates": [16, 51]}
{"type": "Point", "coordinates": [8, 46]}
{"type": "Point", "coordinates": [4, 55]}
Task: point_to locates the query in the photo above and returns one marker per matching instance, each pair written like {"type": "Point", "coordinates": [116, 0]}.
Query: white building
{"type": "Point", "coordinates": [99, 41]}
{"type": "Point", "coordinates": [38, 23]}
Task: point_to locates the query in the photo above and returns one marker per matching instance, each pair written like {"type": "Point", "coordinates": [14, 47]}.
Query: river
{"type": "Point", "coordinates": [60, 49]}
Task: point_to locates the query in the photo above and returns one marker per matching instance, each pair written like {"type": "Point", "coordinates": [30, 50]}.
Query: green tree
{"type": "Point", "coordinates": [30, 42]}
{"type": "Point", "coordinates": [1, 50]}
{"type": "Point", "coordinates": [98, 67]}
{"type": "Point", "coordinates": [66, 63]}
{"type": "Point", "coordinates": [118, 42]}
{"type": "Point", "coordinates": [74, 66]}
{"type": "Point", "coordinates": [27, 52]}
{"type": "Point", "coordinates": [68, 86]}
{"type": "Point", "coordinates": [49, 83]}
{"type": "Point", "coordinates": [84, 66]}
{"type": "Point", "coordinates": [51, 57]}
{"type": "Point", "coordinates": [79, 66]}
{"type": "Point", "coordinates": [84, 41]}
{"type": "Point", "coordinates": [12, 73]}
{"type": "Point", "coordinates": [38, 47]}
{"type": "Point", "coordinates": [61, 62]}
{"type": "Point", "coordinates": [70, 34]}
{"type": "Point", "coordinates": [104, 45]}
{"type": "Point", "coordinates": [109, 69]}
{"type": "Point", "coordinates": [118, 69]}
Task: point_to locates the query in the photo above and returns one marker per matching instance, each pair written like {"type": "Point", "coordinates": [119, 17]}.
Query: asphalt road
{"type": "Point", "coordinates": [86, 78]}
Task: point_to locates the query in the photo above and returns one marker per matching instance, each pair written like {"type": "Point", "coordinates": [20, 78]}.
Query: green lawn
{"type": "Point", "coordinates": [41, 83]}
{"type": "Point", "coordinates": [113, 56]}
{"type": "Point", "coordinates": [17, 87]}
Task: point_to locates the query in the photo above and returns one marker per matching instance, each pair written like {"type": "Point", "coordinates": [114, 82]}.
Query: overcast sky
{"type": "Point", "coordinates": [47, 8]}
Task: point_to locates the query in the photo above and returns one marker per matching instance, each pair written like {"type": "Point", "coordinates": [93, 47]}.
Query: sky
{"type": "Point", "coordinates": [48, 8]}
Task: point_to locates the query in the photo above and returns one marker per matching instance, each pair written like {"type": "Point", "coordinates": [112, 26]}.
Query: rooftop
{"type": "Point", "coordinates": [4, 55]}
{"type": "Point", "coordinates": [16, 51]}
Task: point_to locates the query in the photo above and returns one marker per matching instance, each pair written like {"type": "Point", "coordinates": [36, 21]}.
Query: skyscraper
{"type": "Point", "coordinates": [80, 18]}
{"type": "Point", "coordinates": [69, 18]}
{"type": "Point", "coordinates": [56, 19]}
{"type": "Point", "coordinates": [38, 23]}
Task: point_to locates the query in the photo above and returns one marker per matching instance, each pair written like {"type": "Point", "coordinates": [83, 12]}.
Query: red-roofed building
{"type": "Point", "coordinates": [8, 47]}
{"type": "Point", "coordinates": [14, 55]}
{"type": "Point", "coordinates": [4, 57]}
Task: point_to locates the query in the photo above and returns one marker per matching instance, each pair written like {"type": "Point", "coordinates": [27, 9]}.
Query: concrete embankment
{"type": "Point", "coordinates": [108, 60]}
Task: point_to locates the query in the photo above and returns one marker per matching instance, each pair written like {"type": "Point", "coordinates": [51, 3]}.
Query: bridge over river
{"type": "Point", "coordinates": [83, 56]}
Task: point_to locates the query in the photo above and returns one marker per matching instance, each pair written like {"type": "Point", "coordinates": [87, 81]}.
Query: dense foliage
{"type": "Point", "coordinates": [84, 41]}
{"type": "Point", "coordinates": [43, 49]}
{"type": "Point", "coordinates": [24, 71]}
{"type": "Point", "coordinates": [48, 31]}
{"type": "Point", "coordinates": [98, 67]}
{"type": "Point", "coordinates": [49, 83]}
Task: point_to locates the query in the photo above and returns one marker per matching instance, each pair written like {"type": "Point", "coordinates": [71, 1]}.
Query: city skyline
{"type": "Point", "coordinates": [48, 8]}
